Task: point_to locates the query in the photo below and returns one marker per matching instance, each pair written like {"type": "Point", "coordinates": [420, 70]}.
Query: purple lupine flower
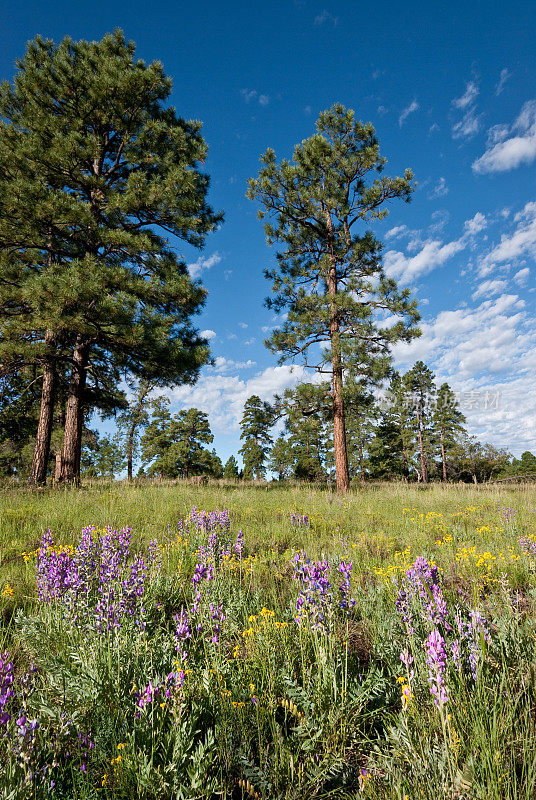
{"type": "Point", "coordinates": [182, 631]}
{"type": "Point", "coordinates": [315, 595]}
{"type": "Point", "coordinates": [437, 664]}
{"type": "Point", "coordinates": [217, 616]}
{"type": "Point", "coordinates": [345, 568]}
{"type": "Point", "coordinates": [239, 546]}
{"type": "Point", "coordinates": [299, 520]}
{"type": "Point", "coordinates": [420, 587]}
{"type": "Point", "coordinates": [528, 545]}
{"type": "Point", "coordinates": [154, 560]}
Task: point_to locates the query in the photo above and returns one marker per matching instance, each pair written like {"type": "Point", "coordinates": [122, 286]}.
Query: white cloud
{"type": "Point", "coordinates": [223, 398]}
{"type": "Point", "coordinates": [382, 110]}
{"type": "Point", "coordinates": [203, 264]}
{"type": "Point", "coordinates": [430, 253]}
{"type": "Point", "coordinates": [242, 324]}
{"type": "Point", "coordinates": [521, 242]}
{"type": "Point", "coordinates": [326, 18]}
{"type": "Point", "coordinates": [248, 94]}
{"type": "Point", "coordinates": [433, 254]}
{"type": "Point", "coordinates": [487, 353]}
{"type": "Point", "coordinates": [208, 334]}
{"type": "Point", "coordinates": [469, 125]}
{"type": "Point", "coordinates": [508, 148]}
{"type": "Point", "coordinates": [468, 97]}
{"type": "Point", "coordinates": [413, 106]}
{"type": "Point", "coordinates": [440, 190]}
{"type": "Point", "coordinates": [521, 277]}
{"type": "Point", "coordinates": [476, 224]}
{"type": "Point", "coordinates": [398, 230]}
{"type": "Point", "coordinates": [489, 288]}
{"type": "Point", "coordinates": [505, 74]}
{"type": "Point", "coordinates": [253, 94]}
{"type": "Point", "coordinates": [227, 364]}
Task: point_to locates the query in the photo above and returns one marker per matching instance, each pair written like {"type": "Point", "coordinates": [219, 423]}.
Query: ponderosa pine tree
{"type": "Point", "coordinates": [133, 419]}
{"type": "Point", "coordinates": [281, 458]}
{"type": "Point", "coordinates": [255, 426]}
{"type": "Point", "coordinates": [173, 444]}
{"type": "Point", "coordinates": [448, 422]}
{"type": "Point", "coordinates": [230, 470]}
{"type": "Point", "coordinates": [306, 425]}
{"type": "Point", "coordinates": [93, 163]}
{"type": "Point", "coordinates": [328, 277]}
{"type": "Point", "coordinates": [420, 392]}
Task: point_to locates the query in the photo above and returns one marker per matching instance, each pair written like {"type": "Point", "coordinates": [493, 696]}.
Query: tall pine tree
{"type": "Point", "coordinates": [448, 423]}
{"type": "Point", "coordinates": [328, 276]}
{"type": "Point", "coordinates": [93, 163]}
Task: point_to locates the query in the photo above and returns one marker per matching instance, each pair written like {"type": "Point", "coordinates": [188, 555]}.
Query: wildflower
{"type": "Point", "coordinates": [437, 663]}
{"type": "Point", "coordinates": [8, 591]}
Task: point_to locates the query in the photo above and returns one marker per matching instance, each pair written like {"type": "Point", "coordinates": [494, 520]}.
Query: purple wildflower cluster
{"type": "Point", "coordinates": [299, 520]}
{"type": "Point", "coordinates": [217, 524]}
{"type": "Point", "coordinates": [420, 588]}
{"type": "Point", "coordinates": [210, 521]}
{"type": "Point", "coordinates": [508, 514]}
{"type": "Point", "coordinates": [528, 545]}
{"type": "Point", "coordinates": [7, 692]}
{"type": "Point", "coordinates": [316, 596]}
{"type": "Point", "coordinates": [473, 636]}
{"type": "Point", "coordinates": [162, 691]}
{"type": "Point", "coordinates": [422, 606]}
{"type": "Point", "coordinates": [98, 582]}
{"type": "Point", "coordinates": [436, 659]}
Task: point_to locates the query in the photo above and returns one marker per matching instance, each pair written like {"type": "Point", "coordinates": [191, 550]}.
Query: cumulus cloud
{"type": "Point", "coordinates": [208, 334]}
{"type": "Point", "coordinates": [488, 355]}
{"type": "Point", "coordinates": [223, 399]}
{"type": "Point", "coordinates": [476, 224]}
{"type": "Point", "coordinates": [203, 264]}
{"type": "Point", "coordinates": [519, 243]}
{"type": "Point", "coordinates": [489, 288]}
{"type": "Point", "coordinates": [522, 276]}
{"type": "Point", "coordinates": [398, 230]}
{"type": "Point", "coordinates": [433, 254]}
{"type": "Point", "coordinates": [509, 147]}
{"type": "Point", "coordinates": [413, 106]}
{"type": "Point", "coordinates": [429, 254]}
{"type": "Point", "coordinates": [227, 364]}
{"type": "Point", "coordinates": [469, 125]}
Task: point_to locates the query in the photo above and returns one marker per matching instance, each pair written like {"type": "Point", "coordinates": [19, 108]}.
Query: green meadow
{"type": "Point", "coordinates": [376, 645]}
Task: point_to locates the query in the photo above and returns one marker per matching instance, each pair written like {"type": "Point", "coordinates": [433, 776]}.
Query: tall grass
{"type": "Point", "coordinates": [268, 676]}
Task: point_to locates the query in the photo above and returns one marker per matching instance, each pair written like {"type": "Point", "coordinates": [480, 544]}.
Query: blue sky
{"type": "Point", "coordinates": [451, 91]}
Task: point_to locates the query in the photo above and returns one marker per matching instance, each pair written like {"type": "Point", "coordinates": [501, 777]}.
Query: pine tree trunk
{"type": "Point", "coordinates": [339, 427]}
{"type": "Point", "coordinates": [38, 474]}
{"type": "Point", "coordinates": [424, 466]}
{"type": "Point", "coordinates": [130, 451]}
{"type": "Point", "coordinates": [57, 471]}
{"type": "Point", "coordinates": [361, 467]}
{"type": "Point", "coordinates": [443, 457]}
{"type": "Point", "coordinates": [74, 416]}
